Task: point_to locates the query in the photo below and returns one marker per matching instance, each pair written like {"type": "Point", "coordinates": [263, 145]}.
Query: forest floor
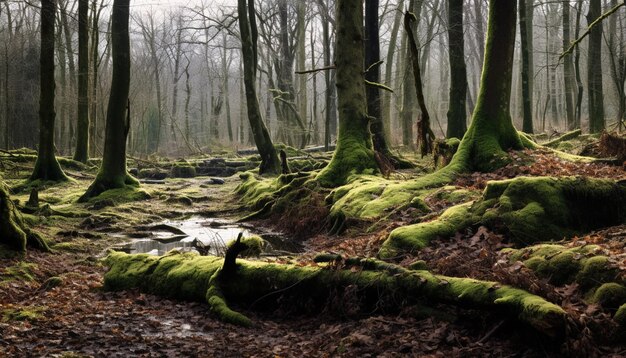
{"type": "Point", "coordinates": [52, 304]}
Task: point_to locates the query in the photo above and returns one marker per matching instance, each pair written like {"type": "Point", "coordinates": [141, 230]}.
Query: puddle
{"type": "Point", "coordinates": [206, 235]}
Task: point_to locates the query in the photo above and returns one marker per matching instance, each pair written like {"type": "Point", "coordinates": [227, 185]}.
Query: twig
{"type": "Point", "coordinates": [491, 332]}
{"type": "Point", "coordinates": [378, 85]}
{"type": "Point", "coordinates": [377, 63]}
{"type": "Point", "coordinates": [589, 28]}
{"type": "Point", "coordinates": [317, 70]}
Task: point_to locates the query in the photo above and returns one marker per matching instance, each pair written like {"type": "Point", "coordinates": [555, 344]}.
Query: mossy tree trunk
{"type": "Point", "coordinates": [47, 167]}
{"type": "Point", "coordinates": [354, 152]}
{"type": "Point", "coordinates": [113, 173]}
{"type": "Point", "coordinates": [14, 234]}
{"type": "Point", "coordinates": [458, 74]}
{"type": "Point", "coordinates": [594, 70]}
{"type": "Point", "coordinates": [82, 129]}
{"type": "Point", "coordinates": [247, 27]}
{"type": "Point", "coordinates": [491, 132]}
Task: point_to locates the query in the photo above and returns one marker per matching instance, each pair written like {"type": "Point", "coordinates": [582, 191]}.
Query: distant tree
{"type": "Point", "coordinates": [270, 163]}
{"type": "Point", "coordinates": [47, 167]}
{"type": "Point", "coordinates": [82, 129]}
{"type": "Point", "coordinates": [526, 39]}
{"type": "Point", "coordinates": [113, 173]}
{"type": "Point", "coordinates": [457, 117]}
{"type": "Point", "coordinates": [594, 70]}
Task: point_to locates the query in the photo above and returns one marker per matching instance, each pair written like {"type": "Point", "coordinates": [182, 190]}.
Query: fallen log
{"type": "Point", "coordinates": [379, 285]}
{"type": "Point", "coordinates": [565, 137]}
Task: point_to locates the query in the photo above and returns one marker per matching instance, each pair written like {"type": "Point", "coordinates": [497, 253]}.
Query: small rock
{"type": "Point", "coordinates": [217, 181]}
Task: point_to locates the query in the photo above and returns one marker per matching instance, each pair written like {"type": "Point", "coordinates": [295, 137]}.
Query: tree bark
{"type": "Point", "coordinates": [82, 129]}
{"type": "Point", "coordinates": [47, 167]}
{"type": "Point", "coordinates": [354, 152]}
{"type": "Point", "coordinates": [491, 132]}
{"type": "Point", "coordinates": [594, 70]}
{"type": "Point", "coordinates": [568, 68]}
{"type": "Point", "coordinates": [247, 27]}
{"type": "Point", "coordinates": [113, 173]}
{"type": "Point", "coordinates": [526, 36]}
{"type": "Point", "coordinates": [458, 73]}
{"type": "Point", "coordinates": [425, 136]}
{"type": "Point", "coordinates": [372, 56]}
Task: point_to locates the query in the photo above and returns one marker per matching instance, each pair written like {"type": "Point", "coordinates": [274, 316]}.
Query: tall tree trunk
{"type": "Point", "coordinates": [457, 124]}
{"type": "Point", "coordinates": [187, 100]}
{"type": "Point", "coordinates": [579, 82]}
{"type": "Point", "coordinates": [330, 121]}
{"type": "Point", "coordinates": [372, 56]}
{"type": "Point", "coordinates": [491, 132]}
{"type": "Point", "coordinates": [354, 152]}
{"type": "Point", "coordinates": [425, 135]}
{"type": "Point", "coordinates": [386, 100]}
{"type": "Point", "coordinates": [568, 68]}
{"type": "Point", "coordinates": [113, 173]}
{"type": "Point", "coordinates": [95, 63]}
{"type": "Point", "coordinates": [301, 60]}
{"type": "Point", "coordinates": [82, 128]}
{"type": "Point", "coordinates": [526, 39]}
{"type": "Point", "coordinates": [247, 27]}
{"type": "Point", "coordinates": [594, 70]}
{"type": "Point", "coordinates": [226, 73]}
{"type": "Point", "coordinates": [47, 167]}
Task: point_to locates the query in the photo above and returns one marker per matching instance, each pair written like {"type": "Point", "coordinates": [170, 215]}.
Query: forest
{"type": "Point", "coordinates": [291, 178]}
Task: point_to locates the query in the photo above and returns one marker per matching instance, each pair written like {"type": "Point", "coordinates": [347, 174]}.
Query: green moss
{"type": "Point", "coordinates": [180, 170]}
{"type": "Point", "coordinates": [528, 210]}
{"type": "Point", "coordinates": [192, 277]}
{"type": "Point", "coordinates": [254, 243]}
{"type": "Point", "coordinates": [22, 271]}
{"type": "Point", "coordinates": [563, 265]}
{"type": "Point", "coordinates": [610, 296]}
{"type": "Point", "coordinates": [27, 313]}
{"type": "Point", "coordinates": [415, 237]}
{"type": "Point", "coordinates": [72, 246]}
{"type": "Point", "coordinates": [418, 265]}
{"type": "Point", "coordinates": [595, 271]}
{"type": "Point", "coordinates": [620, 317]}
{"type": "Point", "coordinates": [122, 195]}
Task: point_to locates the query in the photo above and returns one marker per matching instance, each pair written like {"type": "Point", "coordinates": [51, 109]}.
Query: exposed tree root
{"type": "Point", "coordinates": [100, 185]}
{"type": "Point", "coordinates": [378, 285]}
{"type": "Point", "coordinates": [14, 234]}
{"type": "Point", "coordinates": [528, 209]}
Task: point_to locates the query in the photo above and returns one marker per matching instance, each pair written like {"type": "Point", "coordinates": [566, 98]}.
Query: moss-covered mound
{"type": "Point", "coordinates": [585, 265]}
{"type": "Point", "coordinates": [183, 170]}
{"type": "Point", "coordinates": [273, 195]}
{"type": "Point", "coordinates": [14, 234]}
{"type": "Point", "coordinates": [597, 275]}
{"type": "Point", "coordinates": [199, 278]}
{"type": "Point", "coordinates": [528, 210]}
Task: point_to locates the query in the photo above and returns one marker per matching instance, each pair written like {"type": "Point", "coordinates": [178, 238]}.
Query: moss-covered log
{"type": "Point", "coordinates": [14, 234]}
{"type": "Point", "coordinates": [565, 137]}
{"type": "Point", "coordinates": [193, 277]}
{"type": "Point", "coordinates": [529, 210]}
